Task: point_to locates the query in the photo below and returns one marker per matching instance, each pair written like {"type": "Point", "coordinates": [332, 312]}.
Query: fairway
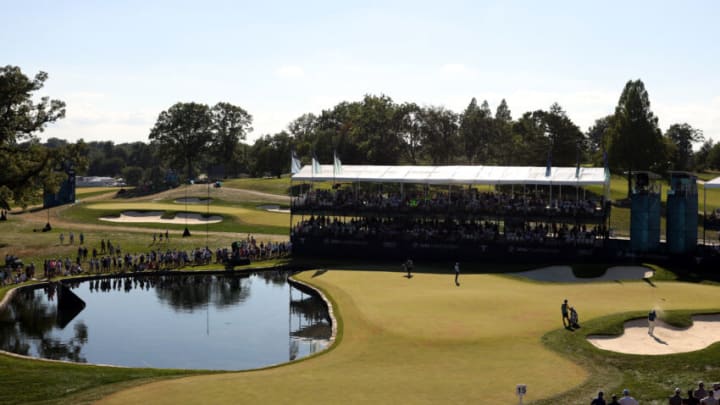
{"type": "Point", "coordinates": [424, 340]}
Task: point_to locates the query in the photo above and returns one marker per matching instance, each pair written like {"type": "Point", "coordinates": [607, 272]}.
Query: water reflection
{"type": "Point", "coordinates": [219, 321]}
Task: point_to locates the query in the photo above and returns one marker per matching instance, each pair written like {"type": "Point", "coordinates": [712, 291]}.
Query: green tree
{"type": "Point", "coordinates": [410, 132]}
{"type": "Point", "coordinates": [26, 164]}
{"type": "Point", "coordinates": [132, 175]}
{"type": "Point", "coordinates": [701, 157]}
{"type": "Point", "coordinates": [183, 133]}
{"type": "Point", "coordinates": [597, 137]}
{"type": "Point", "coordinates": [505, 143]}
{"type": "Point", "coordinates": [477, 132]}
{"type": "Point", "coordinates": [635, 141]}
{"type": "Point", "coordinates": [566, 139]}
{"type": "Point", "coordinates": [682, 136]}
{"type": "Point", "coordinates": [230, 125]}
{"type": "Point", "coordinates": [271, 154]}
{"type": "Point", "coordinates": [439, 131]}
{"type": "Point", "coordinates": [713, 158]}
{"type": "Point", "coordinates": [531, 141]}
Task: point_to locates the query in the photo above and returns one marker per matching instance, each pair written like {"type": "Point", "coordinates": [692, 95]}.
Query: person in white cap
{"type": "Point", "coordinates": [675, 399]}
{"type": "Point", "coordinates": [627, 399]}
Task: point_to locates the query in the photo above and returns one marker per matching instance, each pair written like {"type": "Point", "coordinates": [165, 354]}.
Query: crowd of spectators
{"type": "Point", "coordinates": [698, 396]}
{"type": "Point", "coordinates": [467, 201]}
{"type": "Point", "coordinates": [110, 258]}
{"type": "Point", "coordinates": [446, 230]}
{"type": "Point", "coordinates": [15, 272]}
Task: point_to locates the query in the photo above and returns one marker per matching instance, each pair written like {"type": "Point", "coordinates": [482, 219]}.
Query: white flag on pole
{"type": "Point", "coordinates": [294, 163]}
{"type": "Point", "coordinates": [337, 165]}
{"type": "Point", "coordinates": [315, 165]}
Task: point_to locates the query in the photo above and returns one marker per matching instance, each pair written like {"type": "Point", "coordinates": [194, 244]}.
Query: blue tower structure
{"type": "Point", "coordinates": [645, 212]}
{"type": "Point", "coordinates": [682, 213]}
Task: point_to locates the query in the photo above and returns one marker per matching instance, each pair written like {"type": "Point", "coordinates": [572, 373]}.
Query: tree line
{"type": "Point", "coordinates": [191, 138]}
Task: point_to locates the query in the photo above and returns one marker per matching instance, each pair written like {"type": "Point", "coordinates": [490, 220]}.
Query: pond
{"type": "Point", "coordinates": [208, 321]}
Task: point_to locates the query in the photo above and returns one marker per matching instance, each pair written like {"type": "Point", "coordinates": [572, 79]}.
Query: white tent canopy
{"type": "Point", "coordinates": [714, 183]}
{"type": "Point", "coordinates": [443, 175]}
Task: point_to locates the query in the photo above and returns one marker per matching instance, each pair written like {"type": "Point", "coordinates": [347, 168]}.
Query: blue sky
{"type": "Point", "coordinates": [119, 64]}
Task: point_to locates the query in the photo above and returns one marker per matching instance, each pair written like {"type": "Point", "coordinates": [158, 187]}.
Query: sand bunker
{"type": "Point", "coordinates": [564, 274]}
{"type": "Point", "coordinates": [666, 340]}
{"type": "Point", "coordinates": [156, 217]}
{"type": "Point", "coordinates": [274, 208]}
{"type": "Point", "coordinates": [193, 200]}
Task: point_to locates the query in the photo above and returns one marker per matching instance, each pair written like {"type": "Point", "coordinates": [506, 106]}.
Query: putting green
{"type": "Point", "coordinates": [424, 340]}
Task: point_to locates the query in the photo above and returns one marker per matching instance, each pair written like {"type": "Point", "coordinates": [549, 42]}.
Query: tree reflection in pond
{"type": "Point", "coordinates": [214, 321]}
{"type": "Point", "coordinates": [26, 327]}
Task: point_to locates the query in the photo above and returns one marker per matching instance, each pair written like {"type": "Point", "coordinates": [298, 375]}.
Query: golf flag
{"type": "Point", "coordinates": [337, 164]}
{"type": "Point", "coordinates": [315, 165]}
{"type": "Point", "coordinates": [294, 162]}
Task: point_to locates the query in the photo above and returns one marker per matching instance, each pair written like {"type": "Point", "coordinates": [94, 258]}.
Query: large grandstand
{"type": "Point", "coordinates": [446, 212]}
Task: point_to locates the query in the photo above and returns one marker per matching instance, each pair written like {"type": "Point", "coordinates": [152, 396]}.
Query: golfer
{"type": "Point", "coordinates": [651, 322]}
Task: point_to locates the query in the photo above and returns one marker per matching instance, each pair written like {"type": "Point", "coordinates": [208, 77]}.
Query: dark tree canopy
{"type": "Point", "coordinates": [182, 133]}
{"type": "Point", "coordinates": [230, 125]}
{"type": "Point", "coordinates": [27, 165]}
{"type": "Point", "coordinates": [635, 139]}
{"type": "Point", "coordinates": [681, 137]}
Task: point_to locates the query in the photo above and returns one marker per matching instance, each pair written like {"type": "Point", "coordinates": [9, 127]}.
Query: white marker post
{"type": "Point", "coordinates": [520, 390]}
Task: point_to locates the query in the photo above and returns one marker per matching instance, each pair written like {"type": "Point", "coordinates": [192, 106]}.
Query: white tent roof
{"type": "Point", "coordinates": [457, 175]}
{"type": "Point", "coordinates": [714, 183]}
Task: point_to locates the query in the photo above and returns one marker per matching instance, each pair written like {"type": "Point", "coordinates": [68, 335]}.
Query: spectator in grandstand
{"type": "Point", "coordinates": [627, 399]}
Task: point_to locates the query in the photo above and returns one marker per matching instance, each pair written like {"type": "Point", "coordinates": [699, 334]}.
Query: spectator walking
{"type": "Point", "coordinates": [627, 399]}
{"type": "Point", "coordinates": [613, 400]}
{"type": "Point", "coordinates": [675, 399]}
{"type": "Point", "coordinates": [62, 238]}
{"type": "Point", "coordinates": [457, 274]}
{"type": "Point", "coordinates": [691, 400]}
{"type": "Point", "coordinates": [409, 267]}
{"type": "Point", "coordinates": [82, 238]}
{"type": "Point", "coordinates": [599, 400]}
{"type": "Point", "coordinates": [709, 399]}
{"type": "Point", "coordinates": [700, 392]}
{"type": "Point", "coordinates": [72, 238]}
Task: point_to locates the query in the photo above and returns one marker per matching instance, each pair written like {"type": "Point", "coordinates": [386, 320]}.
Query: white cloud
{"type": "Point", "coordinates": [290, 72]}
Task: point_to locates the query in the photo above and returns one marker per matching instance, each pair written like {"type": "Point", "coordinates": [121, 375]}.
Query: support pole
{"type": "Point", "coordinates": [704, 213]}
